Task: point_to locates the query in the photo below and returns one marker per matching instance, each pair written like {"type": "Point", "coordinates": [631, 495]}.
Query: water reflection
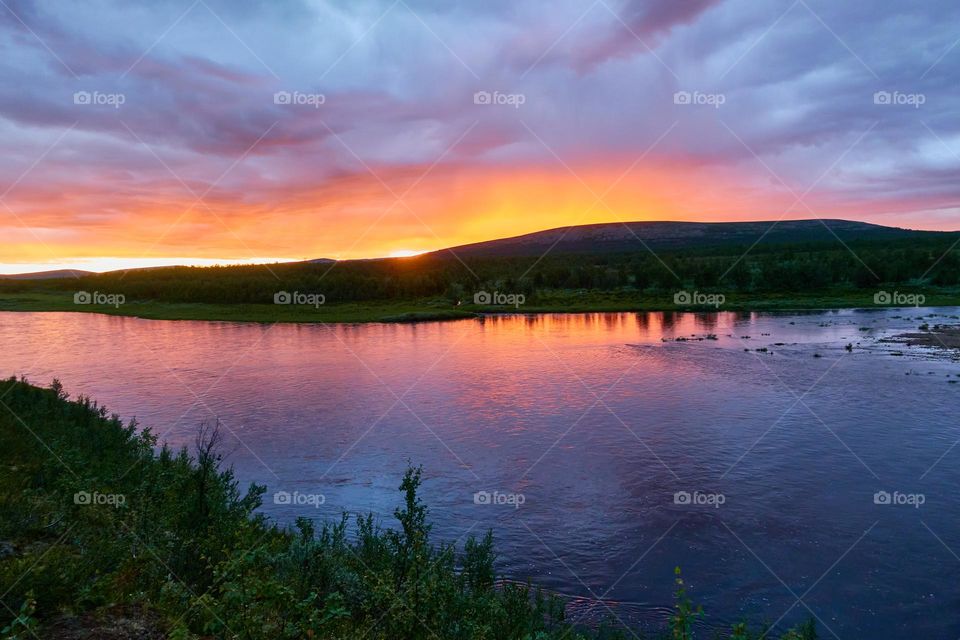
{"type": "Point", "coordinates": [598, 420]}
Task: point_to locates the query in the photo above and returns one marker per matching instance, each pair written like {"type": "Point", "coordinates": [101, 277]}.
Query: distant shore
{"type": "Point", "coordinates": [433, 310]}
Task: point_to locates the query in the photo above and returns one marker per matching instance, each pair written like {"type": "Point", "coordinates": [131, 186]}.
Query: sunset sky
{"type": "Point", "coordinates": [221, 131]}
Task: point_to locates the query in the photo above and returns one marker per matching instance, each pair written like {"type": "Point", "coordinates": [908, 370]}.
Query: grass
{"type": "Point", "coordinates": [102, 535]}
{"type": "Point", "coordinates": [340, 313]}
{"type": "Point", "coordinates": [438, 309]}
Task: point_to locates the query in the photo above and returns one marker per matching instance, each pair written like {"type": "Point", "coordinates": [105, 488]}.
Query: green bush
{"type": "Point", "coordinates": [186, 545]}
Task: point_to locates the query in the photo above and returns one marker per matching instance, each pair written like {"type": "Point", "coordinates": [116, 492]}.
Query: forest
{"type": "Point", "coordinates": [800, 269]}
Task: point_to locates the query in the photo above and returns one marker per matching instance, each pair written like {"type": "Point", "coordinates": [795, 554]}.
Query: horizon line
{"type": "Point", "coordinates": [108, 264]}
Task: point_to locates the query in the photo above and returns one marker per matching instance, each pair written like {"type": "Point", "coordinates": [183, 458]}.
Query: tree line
{"type": "Point", "coordinates": [781, 268]}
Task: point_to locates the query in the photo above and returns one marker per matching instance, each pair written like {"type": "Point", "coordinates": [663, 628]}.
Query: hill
{"type": "Point", "coordinates": [641, 266]}
{"type": "Point", "coordinates": [619, 237]}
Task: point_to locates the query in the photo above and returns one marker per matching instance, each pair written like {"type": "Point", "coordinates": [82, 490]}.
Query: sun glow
{"type": "Point", "coordinates": [352, 218]}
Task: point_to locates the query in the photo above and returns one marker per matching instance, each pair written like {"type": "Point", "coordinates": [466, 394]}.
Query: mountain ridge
{"type": "Point", "coordinates": [626, 236]}
{"type": "Point", "coordinates": [619, 237]}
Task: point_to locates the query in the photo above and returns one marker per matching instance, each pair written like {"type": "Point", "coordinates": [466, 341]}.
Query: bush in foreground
{"type": "Point", "coordinates": [103, 535]}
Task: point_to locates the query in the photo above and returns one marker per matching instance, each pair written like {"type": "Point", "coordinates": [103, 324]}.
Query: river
{"type": "Point", "coordinates": [602, 449]}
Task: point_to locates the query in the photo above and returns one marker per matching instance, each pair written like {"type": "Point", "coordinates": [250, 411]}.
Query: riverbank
{"type": "Point", "coordinates": [267, 313]}
{"type": "Point", "coordinates": [103, 535]}
{"type": "Point", "coordinates": [438, 309]}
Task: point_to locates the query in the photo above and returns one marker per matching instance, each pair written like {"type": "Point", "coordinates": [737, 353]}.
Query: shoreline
{"type": "Point", "coordinates": [408, 312]}
{"type": "Point", "coordinates": [121, 493]}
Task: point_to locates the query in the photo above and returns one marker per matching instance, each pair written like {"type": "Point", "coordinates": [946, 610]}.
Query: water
{"type": "Point", "coordinates": [594, 422]}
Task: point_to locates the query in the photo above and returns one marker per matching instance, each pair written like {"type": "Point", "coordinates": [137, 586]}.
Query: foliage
{"type": "Point", "coordinates": [685, 613]}
{"type": "Point", "coordinates": [916, 260]}
{"type": "Point", "coordinates": [23, 625]}
{"type": "Point", "coordinates": [102, 519]}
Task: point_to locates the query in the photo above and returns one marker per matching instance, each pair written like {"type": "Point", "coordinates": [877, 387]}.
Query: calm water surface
{"type": "Point", "coordinates": [597, 421]}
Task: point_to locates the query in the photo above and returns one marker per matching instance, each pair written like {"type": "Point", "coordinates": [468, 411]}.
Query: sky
{"type": "Point", "coordinates": [230, 131]}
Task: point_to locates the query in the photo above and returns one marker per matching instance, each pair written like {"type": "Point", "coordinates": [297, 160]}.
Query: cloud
{"type": "Point", "coordinates": [644, 23]}
{"type": "Point", "coordinates": [394, 87]}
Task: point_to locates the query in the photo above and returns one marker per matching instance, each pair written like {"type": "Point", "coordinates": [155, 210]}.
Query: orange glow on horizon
{"type": "Point", "coordinates": [355, 217]}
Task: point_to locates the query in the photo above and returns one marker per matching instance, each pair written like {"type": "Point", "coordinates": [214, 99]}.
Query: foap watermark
{"type": "Point", "coordinates": [698, 299]}
{"type": "Point", "coordinates": [500, 99]}
{"type": "Point", "coordinates": [699, 499]}
{"type": "Point", "coordinates": [96, 498]}
{"type": "Point", "coordinates": [899, 499]}
{"type": "Point", "coordinates": [299, 499]}
{"type": "Point", "coordinates": [898, 98]}
{"type": "Point", "coordinates": [99, 99]}
{"type": "Point", "coordinates": [499, 298]}
{"type": "Point", "coordinates": [298, 98]}
{"type": "Point", "coordinates": [495, 497]}
{"type": "Point", "coordinates": [112, 299]}
{"type": "Point", "coordinates": [898, 299]}
{"type": "Point", "coordinates": [715, 100]}
{"type": "Point", "coordinates": [295, 297]}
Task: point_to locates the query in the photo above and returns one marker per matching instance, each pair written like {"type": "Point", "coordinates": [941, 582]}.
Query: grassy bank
{"type": "Point", "coordinates": [800, 275]}
{"type": "Point", "coordinates": [439, 309]}
{"type": "Point", "coordinates": [104, 536]}
{"type": "Point", "coordinates": [387, 311]}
